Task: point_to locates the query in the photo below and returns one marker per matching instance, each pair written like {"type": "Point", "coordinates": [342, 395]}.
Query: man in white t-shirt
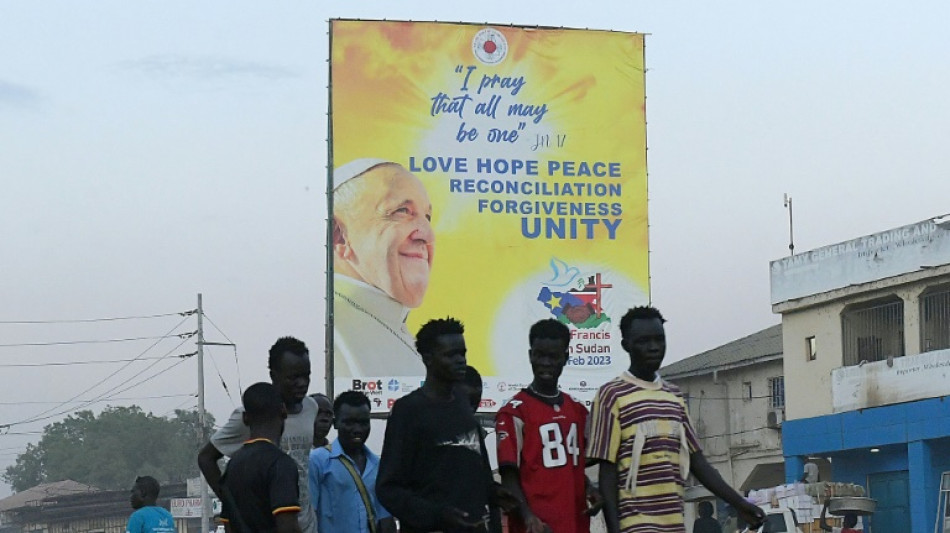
{"type": "Point", "coordinates": [289, 364]}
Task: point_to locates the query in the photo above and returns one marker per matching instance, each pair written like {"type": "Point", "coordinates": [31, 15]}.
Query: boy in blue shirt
{"type": "Point", "coordinates": [148, 517]}
{"type": "Point", "coordinates": [343, 474]}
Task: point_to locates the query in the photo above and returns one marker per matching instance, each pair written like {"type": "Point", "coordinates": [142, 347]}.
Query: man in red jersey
{"type": "Point", "coordinates": [541, 443]}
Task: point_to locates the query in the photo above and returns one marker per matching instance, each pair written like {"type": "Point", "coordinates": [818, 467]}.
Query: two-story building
{"type": "Point", "coordinates": [736, 399]}
{"type": "Point", "coordinates": [866, 338]}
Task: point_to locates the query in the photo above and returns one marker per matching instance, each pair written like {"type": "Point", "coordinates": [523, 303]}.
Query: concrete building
{"type": "Point", "coordinates": [736, 398]}
{"type": "Point", "coordinates": [866, 337]}
{"type": "Point", "coordinates": [71, 507]}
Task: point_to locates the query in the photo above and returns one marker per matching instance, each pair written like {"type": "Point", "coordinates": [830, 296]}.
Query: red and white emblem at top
{"type": "Point", "coordinates": [490, 46]}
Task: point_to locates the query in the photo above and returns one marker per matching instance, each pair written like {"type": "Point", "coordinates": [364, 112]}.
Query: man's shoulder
{"type": "Point", "coordinates": [671, 387]}
{"type": "Point", "coordinates": [515, 404]}
{"type": "Point", "coordinates": [615, 387]}
{"type": "Point", "coordinates": [412, 400]}
{"type": "Point", "coordinates": [320, 455]}
{"type": "Point", "coordinates": [575, 404]}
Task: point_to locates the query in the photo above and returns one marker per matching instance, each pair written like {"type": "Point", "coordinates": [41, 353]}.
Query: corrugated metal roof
{"type": "Point", "coordinates": [33, 496]}
{"type": "Point", "coordinates": [765, 344]}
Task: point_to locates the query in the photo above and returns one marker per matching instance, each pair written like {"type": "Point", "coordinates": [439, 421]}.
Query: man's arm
{"type": "Point", "coordinates": [610, 490]}
{"type": "Point", "coordinates": [208, 464]}
{"type": "Point", "coordinates": [595, 500]}
{"type": "Point", "coordinates": [287, 523]}
{"type": "Point", "coordinates": [710, 478]}
{"type": "Point", "coordinates": [511, 480]}
{"type": "Point", "coordinates": [227, 440]}
{"type": "Point", "coordinates": [313, 479]}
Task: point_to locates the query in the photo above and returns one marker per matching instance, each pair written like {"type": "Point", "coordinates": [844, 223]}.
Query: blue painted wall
{"type": "Point", "coordinates": [911, 436]}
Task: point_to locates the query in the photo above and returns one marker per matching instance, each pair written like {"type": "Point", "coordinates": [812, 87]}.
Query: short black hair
{"type": "Point", "coordinates": [705, 509]}
{"type": "Point", "coordinates": [149, 485]}
{"type": "Point", "coordinates": [433, 329]}
{"type": "Point", "coordinates": [644, 312]}
{"type": "Point", "coordinates": [285, 344]}
{"type": "Point", "coordinates": [472, 377]}
{"type": "Point", "coordinates": [262, 402]}
{"type": "Point", "coordinates": [352, 398]}
{"type": "Point", "coordinates": [549, 328]}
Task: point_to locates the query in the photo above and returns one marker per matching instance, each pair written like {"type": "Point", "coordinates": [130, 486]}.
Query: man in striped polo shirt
{"type": "Point", "coordinates": [641, 435]}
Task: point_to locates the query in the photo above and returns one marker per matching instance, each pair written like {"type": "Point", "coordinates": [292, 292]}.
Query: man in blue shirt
{"type": "Point", "coordinates": [148, 517]}
{"type": "Point", "coordinates": [343, 474]}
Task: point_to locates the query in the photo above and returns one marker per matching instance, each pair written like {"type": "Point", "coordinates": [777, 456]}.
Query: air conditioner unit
{"type": "Point", "coordinates": [775, 417]}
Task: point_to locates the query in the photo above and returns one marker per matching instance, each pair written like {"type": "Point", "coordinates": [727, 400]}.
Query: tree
{"type": "Point", "coordinates": [110, 450]}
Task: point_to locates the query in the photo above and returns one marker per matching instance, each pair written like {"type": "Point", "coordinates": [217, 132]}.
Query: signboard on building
{"type": "Point", "coordinates": [191, 507]}
{"type": "Point", "coordinates": [902, 379]}
{"type": "Point", "coordinates": [496, 174]}
{"type": "Point", "coordinates": [862, 260]}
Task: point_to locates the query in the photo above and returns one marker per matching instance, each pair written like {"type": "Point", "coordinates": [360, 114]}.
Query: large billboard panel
{"type": "Point", "coordinates": [496, 174]}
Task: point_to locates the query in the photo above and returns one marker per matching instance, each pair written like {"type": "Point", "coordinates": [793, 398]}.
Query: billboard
{"type": "Point", "coordinates": [496, 174]}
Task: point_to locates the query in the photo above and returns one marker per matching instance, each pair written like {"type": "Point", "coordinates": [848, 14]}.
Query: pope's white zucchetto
{"type": "Point", "coordinates": [355, 168]}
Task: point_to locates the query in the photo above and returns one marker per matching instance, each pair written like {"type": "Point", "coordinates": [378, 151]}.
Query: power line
{"type": "Point", "coordinates": [71, 363]}
{"type": "Point", "coordinates": [102, 397]}
{"type": "Point", "coordinates": [223, 383]}
{"type": "Point", "coordinates": [103, 341]}
{"type": "Point", "coordinates": [127, 398]}
{"type": "Point", "coordinates": [108, 319]}
{"type": "Point", "coordinates": [40, 416]}
{"type": "Point", "coordinates": [237, 363]}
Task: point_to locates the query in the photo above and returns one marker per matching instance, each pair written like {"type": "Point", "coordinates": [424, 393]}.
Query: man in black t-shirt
{"type": "Point", "coordinates": [434, 473]}
{"type": "Point", "coordinates": [259, 488]}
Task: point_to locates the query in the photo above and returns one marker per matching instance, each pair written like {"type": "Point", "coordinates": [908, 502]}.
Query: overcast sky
{"type": "Point", "coordinates": [153, 150]}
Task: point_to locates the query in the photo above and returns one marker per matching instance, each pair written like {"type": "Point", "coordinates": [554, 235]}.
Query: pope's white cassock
{"type": "Point", "coordinates": [370, 337]}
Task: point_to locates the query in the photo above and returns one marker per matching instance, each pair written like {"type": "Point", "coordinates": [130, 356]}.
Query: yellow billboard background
{"type": "Point", "coordinates": [583, 92]}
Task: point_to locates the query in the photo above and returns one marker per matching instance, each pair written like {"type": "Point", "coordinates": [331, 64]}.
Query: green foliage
{"type": "Point", "coordinates": [110, 450]}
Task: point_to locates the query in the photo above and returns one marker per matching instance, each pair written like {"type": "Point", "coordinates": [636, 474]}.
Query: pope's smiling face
{"type": "Point", "coordinates": [385, 236]}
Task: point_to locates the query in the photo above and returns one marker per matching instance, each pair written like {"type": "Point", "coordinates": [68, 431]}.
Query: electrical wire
{"type": "Point", "coordinates": [237, 363]}
{"type": "Point", "coordinates": [72, 363]}
{"type": "Point", "coordinates": [109, 319]}
{"type": "Point", "coordinates": [39, 416]}
{"type": "Point", "coordinates": [102, 397]}
{"type": "Point", "coordinates": [127, 398]}
{"type": "Point", "coordinates": [103, 341]}
{"type": "Point", "coordinates": [223, 383]}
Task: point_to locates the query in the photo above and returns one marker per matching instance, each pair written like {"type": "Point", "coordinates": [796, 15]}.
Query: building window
{"type": "Point", "coordinates": [811, 348]}
{"type": "Point", "coordinates": [935, 319]}
{"type": "Point", "coordinates": [747, 391]}
{"type": "Point", "coordinates": [777, 392]}
{"type": "Point", "coordinates": [873, 331]}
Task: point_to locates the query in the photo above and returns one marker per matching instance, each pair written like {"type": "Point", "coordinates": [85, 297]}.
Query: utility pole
{"type": "Point", "coordinates": [205, 501]}
{"type": "Point", "coordinates": [206, 513]}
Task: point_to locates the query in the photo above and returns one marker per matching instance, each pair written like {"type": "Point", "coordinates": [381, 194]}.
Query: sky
{"type": "Point", "coordinates": [151, 151]}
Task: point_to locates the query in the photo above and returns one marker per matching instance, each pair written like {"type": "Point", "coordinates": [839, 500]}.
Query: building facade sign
{"type": "Point", "coordinates": [903, 379]}
{"type": "Point", "coordinates": [862, 260]}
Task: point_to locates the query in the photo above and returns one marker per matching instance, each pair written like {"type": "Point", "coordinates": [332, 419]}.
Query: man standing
{"type": "Point", "coordinates": [148, 517]}
{"type": "Point", "coordinates": [259, 490]}
{"type": "Point", "coordinates": [324, 420]}
{"type": "Point", "coordinates": [343, 475]}
{"type": "Point", "coordinates": [434, 473]}
{"type": "Point", "coordinates": [541, 442]}
{"type": "Point", "coordinates": [289, 363]}
{"type": "Point", "coordinates": [642, 436]}
{"type": "Point", "coordinates": [383, 246]}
